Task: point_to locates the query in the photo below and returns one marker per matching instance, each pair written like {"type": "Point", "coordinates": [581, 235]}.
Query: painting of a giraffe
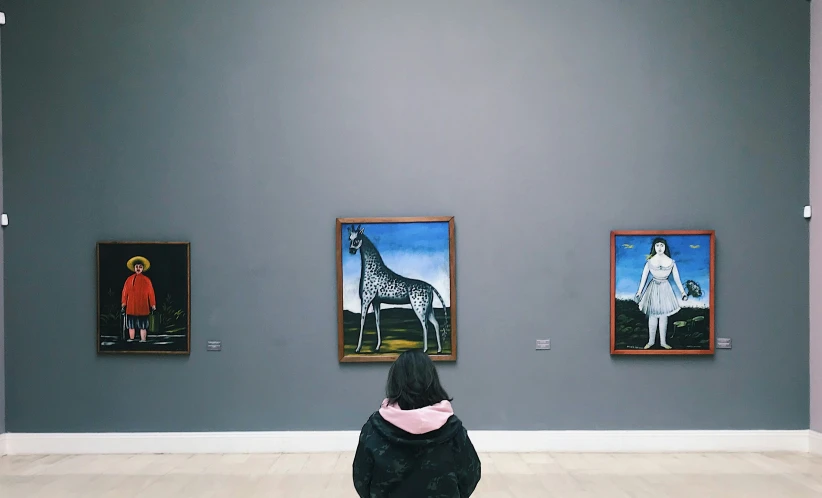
{"type": "Point", "coordinates": [382, 285]}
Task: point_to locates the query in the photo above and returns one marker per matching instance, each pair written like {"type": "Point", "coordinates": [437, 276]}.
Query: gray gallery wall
{"type": "Point", "coordinates": [247, 127]}
{"type": "Point", "coordinates": [2, 286]}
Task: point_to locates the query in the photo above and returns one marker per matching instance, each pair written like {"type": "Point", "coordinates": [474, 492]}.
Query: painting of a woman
{"type": "Point", "coordinates": [662, 299]}
{"type": "Point", "coordinates": [657, 300]}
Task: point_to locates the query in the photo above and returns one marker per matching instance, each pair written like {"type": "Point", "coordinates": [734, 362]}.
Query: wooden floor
{"type": "Point", "coordinates": [748, 475]}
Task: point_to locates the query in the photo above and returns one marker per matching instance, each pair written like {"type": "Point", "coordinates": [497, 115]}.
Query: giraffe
{"type": "Point", "coordinates": [381, 285]}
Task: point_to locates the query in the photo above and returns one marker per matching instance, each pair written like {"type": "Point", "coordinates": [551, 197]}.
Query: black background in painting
{"type": "Point", "coordinates": [169, 276]}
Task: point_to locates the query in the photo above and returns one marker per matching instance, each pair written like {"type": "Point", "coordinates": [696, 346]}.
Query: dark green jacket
{"type": "Point", "coordinates": [392, 463]}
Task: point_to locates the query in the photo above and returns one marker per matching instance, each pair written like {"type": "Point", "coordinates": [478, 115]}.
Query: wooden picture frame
{"type": "Point", "coordinates": [419, 254]}
{"type": "Point", "coordinates": [640, 309]}
{"type": "Point", "coordinates": [165, 286]}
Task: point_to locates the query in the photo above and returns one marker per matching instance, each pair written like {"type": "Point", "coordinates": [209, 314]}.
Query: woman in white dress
{"type": "Point", "coordinates": [658, 300]}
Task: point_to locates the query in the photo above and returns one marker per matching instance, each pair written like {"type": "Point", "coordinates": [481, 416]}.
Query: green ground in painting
{"type": "Point", "coordinates": [400, 330]}
{"type": "Point", "coordinates": [687, 329]}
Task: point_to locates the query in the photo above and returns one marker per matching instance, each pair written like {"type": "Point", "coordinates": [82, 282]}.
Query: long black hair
{"type": "Point", "coordinates": [667, 251]}
{"type": "Point", "coordinates": [413, 382]}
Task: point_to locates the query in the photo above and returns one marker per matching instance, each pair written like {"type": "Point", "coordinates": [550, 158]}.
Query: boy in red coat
{"type": "Point", "coordinates": [138, 298]}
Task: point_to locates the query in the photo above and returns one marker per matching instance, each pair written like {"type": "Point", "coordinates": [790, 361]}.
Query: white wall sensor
{"type": "Point", "coordinates": [2, 18]}
{"type": "Point", "coordinates": [4, 220]}
{"type": "Point", "coordinates": [807, 212]}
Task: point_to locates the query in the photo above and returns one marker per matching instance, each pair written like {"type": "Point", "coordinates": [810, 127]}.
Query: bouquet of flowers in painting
{"type": "Point", "coordinates": [662, 292]}
{"type": "Point", "coordinates": [395, 279]}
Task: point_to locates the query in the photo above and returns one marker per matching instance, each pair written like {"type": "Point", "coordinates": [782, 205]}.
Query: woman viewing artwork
{"type": "Point", "coordinates": [662, 297]}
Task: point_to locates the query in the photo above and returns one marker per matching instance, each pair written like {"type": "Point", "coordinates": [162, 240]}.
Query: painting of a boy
{"type": "Point", "coordinates": [143, 297]}
{"type": "Point", "coordinates": [138, 299]}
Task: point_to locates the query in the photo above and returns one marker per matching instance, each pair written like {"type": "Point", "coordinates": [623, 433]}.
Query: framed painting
{"type": "Point", "coordinates": [662, 292]}
{"type": "Point", "coordinates": [396, 288]}
{"type": "Point", "coordinates": [143, 298]}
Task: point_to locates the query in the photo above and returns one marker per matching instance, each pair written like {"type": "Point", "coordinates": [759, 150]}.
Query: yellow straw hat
{"type": "Point", "coordinates": [138, 260]}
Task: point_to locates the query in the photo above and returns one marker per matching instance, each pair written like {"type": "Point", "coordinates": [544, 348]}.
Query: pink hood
{"type": "Point", "coordinates": [419, 421]}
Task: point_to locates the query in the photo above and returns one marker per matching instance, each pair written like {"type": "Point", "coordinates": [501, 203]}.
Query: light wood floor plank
{"type": "Point", "coordinates": [328, 475]}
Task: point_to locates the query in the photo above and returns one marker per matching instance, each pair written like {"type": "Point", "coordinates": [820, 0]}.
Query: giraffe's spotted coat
{"type": "Point", "coordinates": [381, 285]}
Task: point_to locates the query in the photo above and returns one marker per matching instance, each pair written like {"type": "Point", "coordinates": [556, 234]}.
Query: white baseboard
{"type": "Point", "coordinates": [815, 443]}
{"type": "Point", "coordinates": [181, 442]}
{"type": "Point", "coordinates": [640, 441]}
{"type": "Point", "coordinates": [338, 441]}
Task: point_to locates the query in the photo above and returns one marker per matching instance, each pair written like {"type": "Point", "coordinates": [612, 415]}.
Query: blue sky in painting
{"type": "Point", "coordinates": [414, 250]}
{"type": "Point", "coordinates": [693, 263]}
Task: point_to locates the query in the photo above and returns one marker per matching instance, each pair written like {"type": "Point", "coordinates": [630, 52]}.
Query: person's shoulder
{"type": "Point", "coordinates": [370, 420]}
{"type": "Point", "coordinates": [455, 427]}
{"type": "Point", "coordinates": [368, 425]}
{"type": "Point", "coordinates": [367, 429]}
{"type": "Point", "coordinates": [458, 431]}
{"type": "Point", "coordinates": [455, 419]}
